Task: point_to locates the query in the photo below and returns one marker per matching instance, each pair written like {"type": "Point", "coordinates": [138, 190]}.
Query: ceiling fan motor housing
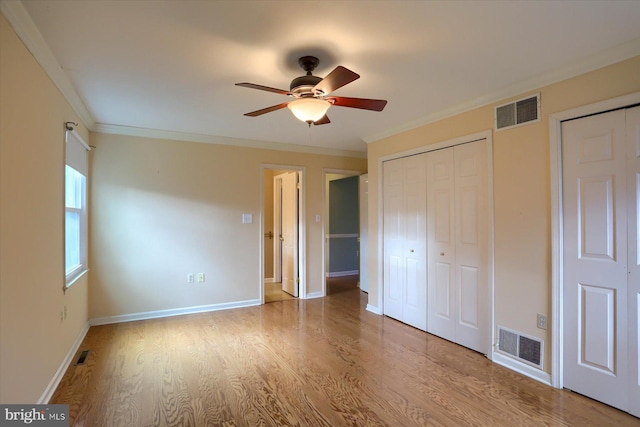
{"type": "Point", "coordinates": [303, 85]}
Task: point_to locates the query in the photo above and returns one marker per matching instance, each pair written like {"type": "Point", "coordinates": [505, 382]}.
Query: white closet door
{"type": "Point", "coordinates": [415, 242]}
{"type": "Point", "coordinates": [363, 192]}
{"type": "Point", "coordinates": [595, 258]}
{"type": "Point", "coordinates": [633, 192]}
{"type": "Point", "coordinates": [458, 225]}
{"type": "Point", "coordinates": [441, 264]}
{"type": "Point", "coordinates": [472, 244]}
{"type": "Point", "coordinates": [404, 222]}
{"type": "Point", "coordinates": [393, 225]}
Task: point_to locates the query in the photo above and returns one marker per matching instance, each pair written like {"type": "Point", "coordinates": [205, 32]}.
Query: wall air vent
{"type": "Point", "coordinates": [527, 349]}
{"type": "Point", "coordinates": [518, 113]}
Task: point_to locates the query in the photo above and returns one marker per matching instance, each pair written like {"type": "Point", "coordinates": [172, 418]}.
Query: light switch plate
{"type": "Point", "coordinates": [247, 218]}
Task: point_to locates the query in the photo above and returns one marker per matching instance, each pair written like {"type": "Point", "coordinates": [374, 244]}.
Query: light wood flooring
{"type": "Point", "coordinates": [273, 292]}
{"type": "Point", "coordinates": [319, 362]}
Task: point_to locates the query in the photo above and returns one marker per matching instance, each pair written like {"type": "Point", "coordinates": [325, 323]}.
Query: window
{"type": "Point", "coordinates": [75, 195]}
{"type": "Point", "coordinates": [75, 203]}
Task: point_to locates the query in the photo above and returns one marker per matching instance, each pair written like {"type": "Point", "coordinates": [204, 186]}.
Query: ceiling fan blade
{"type": "Point", "coordinates": [362, 103]}
{"type": "Point", "coordinates": [266, 110]}
{"type": "Point", "coordinates": [322, 121]}
{"type": "Point", "coordinates": [266, 88]}
{"type": "Point", "coordinates": [339, 77]}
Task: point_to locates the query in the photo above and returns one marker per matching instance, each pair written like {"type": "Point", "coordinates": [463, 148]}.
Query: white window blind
{"type": "Point", "coordinates": [75, 202]}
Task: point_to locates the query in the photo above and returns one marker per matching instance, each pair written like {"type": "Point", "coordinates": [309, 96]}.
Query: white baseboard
{"type": "Point", "coordinates": [172, 312]}
{"type": "Point", "coordinates": [269, 280]}
{"type": "Point", "coordinates": [57, 377]}
{"type": "Point", "coordinates": [522, 368]}
{"type": "Point", "coordinates": [374, 309]}
{"type": "Point", "coordinates": [343, 273]}
{"type": "Point", "coordinates": [314, 295]}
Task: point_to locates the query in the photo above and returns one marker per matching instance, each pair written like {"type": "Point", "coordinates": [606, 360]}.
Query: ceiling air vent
{"type": "Point", "coordinates": [518, 113]}
{"type": "Point", "coordinates": [529, 350]}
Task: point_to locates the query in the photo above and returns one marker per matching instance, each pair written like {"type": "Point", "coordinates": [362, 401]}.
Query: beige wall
{"type": "Point", "coordinates": [33, 339]}
{"type": "Point", "coordinates": [162, 209]}
{"type": "Point", "coordinates": [521, 192]}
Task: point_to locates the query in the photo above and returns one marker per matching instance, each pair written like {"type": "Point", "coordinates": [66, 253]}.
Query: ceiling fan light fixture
{"type": "Point", "coordinates": [309, 109]}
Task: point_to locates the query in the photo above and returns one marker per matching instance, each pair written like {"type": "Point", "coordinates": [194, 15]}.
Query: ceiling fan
{"type": "Point", "coordinates": [311, 94]}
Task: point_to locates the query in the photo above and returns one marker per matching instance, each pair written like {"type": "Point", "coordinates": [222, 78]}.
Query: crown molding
{"type": "Point", "coordinates": [222, 140]}
{"type": "Point", "coordinates": [27, 31]}
{"type": "Point", "coordinates": [590, 63]}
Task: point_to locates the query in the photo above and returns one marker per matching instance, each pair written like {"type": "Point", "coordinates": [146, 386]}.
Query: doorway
{"type": "Point", "coordinates": [342, 233]}
{"type": "Point", "coordinates": [283, 267]}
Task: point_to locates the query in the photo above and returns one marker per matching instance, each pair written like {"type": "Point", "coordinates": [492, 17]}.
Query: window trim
{"type": "Point", "coordinates": [74, 145]}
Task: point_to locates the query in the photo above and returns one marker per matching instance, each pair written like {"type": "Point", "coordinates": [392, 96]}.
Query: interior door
{"type": "Point", "coordinates": [393, 225]}
{"type": "Point", "coordinates": [458, 230]}
{"type": "Point", "coordinates": [633, 191]}
{"type": "Point", "coordinates": [363, 190]}
{"type": "Point", "coordinates": [595, 258]}
{"type": "Point", "coordinates": [289, 235]}
{"type": "Point", "coordinates": [404, 222]}
{"type": "Point", "coordinates": [415, 241]}
{"type": "Point", "coordinates": [472, 245]}
{"type": "Point", "coordinates": [441, 265]}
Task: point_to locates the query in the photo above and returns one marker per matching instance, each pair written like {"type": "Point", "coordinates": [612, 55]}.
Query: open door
{"type": "Point", "coordinates": [289, 233]}
{"type": "Point", "coordinates": [283, 249]}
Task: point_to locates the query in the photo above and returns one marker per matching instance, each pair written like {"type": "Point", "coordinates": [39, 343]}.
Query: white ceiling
{"type": "Point", "coordinates": [172, 65]}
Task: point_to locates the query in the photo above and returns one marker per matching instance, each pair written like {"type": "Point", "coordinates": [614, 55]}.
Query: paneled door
{"type": "Point", "coordinates": [404, 222]}
{"type": "Point", "coordinates": [289, 235]}
{"type": "Point", "coordinates": [363, 200]}
{"type": "Point", "coordinates": [441, 229]}
{"type": "Point", "coordinates": [633, 197]}
{"type": "Point", "coordinates": [600, 284]}
{"type": "Point", "coordinates": [458, 244]}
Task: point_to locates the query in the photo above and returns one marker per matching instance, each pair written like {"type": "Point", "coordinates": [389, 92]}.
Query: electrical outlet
{"type": "Point", "coordinates": [200, 277]}
{"type": "Point", "coordinates": [191, 278]}
{"type": "Point", "coordinates": [542, 321]}
{"type": "Point", "coordinates": [65, 312]}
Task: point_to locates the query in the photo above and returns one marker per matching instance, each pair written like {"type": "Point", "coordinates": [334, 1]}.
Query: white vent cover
{"type": "Point", "coordinates": [527, 349]}
{"type": "Point", "coordinates": [518, 113]}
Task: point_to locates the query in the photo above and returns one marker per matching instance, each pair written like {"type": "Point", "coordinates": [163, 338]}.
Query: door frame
{"type": "Point", "coordinates": [302, 236]}
{"type": "Point", "coordinates": [557, 217]}
{"type": "Point", "coordinates": [488, 135]}
{"type": "Point", "coordinates": [325, 214]}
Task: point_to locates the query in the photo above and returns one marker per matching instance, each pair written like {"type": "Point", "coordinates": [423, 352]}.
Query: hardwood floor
{"type": "Point", "coordinates": [337, 285]}
{"type": "Point", "coordinates": [319, 362]}
{"type": "Point", "coordinates": [273, 292]}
